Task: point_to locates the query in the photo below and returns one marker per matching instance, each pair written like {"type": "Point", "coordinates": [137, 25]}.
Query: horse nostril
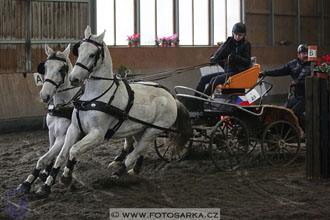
{"type": "Point", "coordinates": [74, 81]}
{"type": "Point", "coordinates": [45, 98]}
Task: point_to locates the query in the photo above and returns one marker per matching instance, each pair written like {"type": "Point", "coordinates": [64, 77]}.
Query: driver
{"type": "Point", "coordinates": [234, 56]}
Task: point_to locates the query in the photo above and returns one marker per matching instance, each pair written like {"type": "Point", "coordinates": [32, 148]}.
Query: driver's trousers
{"type": "Point", "coordinates": [212, 81]}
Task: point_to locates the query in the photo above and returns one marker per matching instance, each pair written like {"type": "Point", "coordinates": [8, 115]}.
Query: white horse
{"type": "Point", "coordinates": [111, 106]}
{"type": "Point", "coordinates": [58, 93]}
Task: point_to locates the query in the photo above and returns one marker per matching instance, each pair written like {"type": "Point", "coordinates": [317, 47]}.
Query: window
{"type": "Point", "coordinates": [233, 16]}
{"type": "Point", "coordinates": [219, 12]}
{"type": "Point", "coordinates": [124, 20]}
{"type": "Point", "coordinates": [106, 7]}
{"type": "Point", "coordinates": [164, 18]}
{"type": "Point", "coordinates": [148, 28]}
{"type": "Point", "coordinates": [157, 19]}
{"type": "Point", "coordinates": [185, 22]}
{"type": "Point", "coordinates": [201, 23]}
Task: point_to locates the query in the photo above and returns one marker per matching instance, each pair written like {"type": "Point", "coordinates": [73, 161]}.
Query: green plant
{"type": "Point", "coordinates": [122, 70]}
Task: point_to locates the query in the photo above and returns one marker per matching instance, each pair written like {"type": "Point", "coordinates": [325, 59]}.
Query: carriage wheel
{"type": "Point", "coordinates": [229, 144]}
{"type": "Point", "coordinates": [280, 143]}
{"type": "Point", "coordinates": [166, 151]}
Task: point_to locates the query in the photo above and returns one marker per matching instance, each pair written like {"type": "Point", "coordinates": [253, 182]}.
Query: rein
{"type": "Point", "coordinates": [167, 73]}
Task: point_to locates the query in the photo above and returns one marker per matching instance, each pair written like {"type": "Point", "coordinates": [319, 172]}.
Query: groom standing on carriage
{"type": "Point", "coordinates": [298, 68]}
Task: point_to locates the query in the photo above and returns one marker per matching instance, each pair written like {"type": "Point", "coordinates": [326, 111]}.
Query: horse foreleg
{"type": "Point", "coordinates": [128, 148]}
{"type": "Point", "coordinates": [93, 138]}
{"type": "Point", "coordinates": [44, 161]}
{"type": "Point", "coordinates": [71, 138]}
{"type": "Point", "coordinates": [47, 160]}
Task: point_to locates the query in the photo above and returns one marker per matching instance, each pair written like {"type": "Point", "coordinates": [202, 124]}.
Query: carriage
{"type": "Point", "coordinates": [233, 123]}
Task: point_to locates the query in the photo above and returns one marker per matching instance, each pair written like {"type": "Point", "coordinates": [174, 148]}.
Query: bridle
{"type": "Point", "coordinates": [99, 53]}
{"type": "Point", "coordinates": [63, 71]}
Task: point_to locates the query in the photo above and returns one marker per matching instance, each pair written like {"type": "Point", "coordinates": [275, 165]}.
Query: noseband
{"type": "Point", "coordinates": [99, 52]}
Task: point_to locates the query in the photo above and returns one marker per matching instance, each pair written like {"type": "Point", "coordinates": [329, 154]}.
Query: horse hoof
{"type": "Point", "coordinates": [43, 191]}
{"type": "Point", "coordinates": [25, 186]}
{"type": "Point", "coordinates": [43, 177]}
{"type": "Point", "coordinates": [114, 164]}
{"type": "Point", "coordinates": [131, 172]}
{"type": "Point", "coordinates": [65, 181]}
{"type": "Point", "coordinates": [114, 176]}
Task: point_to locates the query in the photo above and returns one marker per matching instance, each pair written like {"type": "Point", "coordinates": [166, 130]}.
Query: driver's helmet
{"type": "Point", "coordinates": [302, 48]}
{"type": "Point", "coordinates": [239, 28]}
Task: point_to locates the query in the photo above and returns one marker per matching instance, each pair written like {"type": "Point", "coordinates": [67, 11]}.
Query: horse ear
{"type": "Point", "coordinates": [49, 51]}
{"type": "Point", "coordinates": [66, 52]}
{"type": "Point", "coordinates": [100, 37]}
{"type": "Point", "coordinates": [88, 31]}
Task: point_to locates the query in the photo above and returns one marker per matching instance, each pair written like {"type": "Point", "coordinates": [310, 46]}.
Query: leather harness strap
{"type": "Point", "coordinates": [60, 111]}
{"type": "Point", "coordinates": [121, 115]}
{"type": "Point", "coordinates": [106, 107]}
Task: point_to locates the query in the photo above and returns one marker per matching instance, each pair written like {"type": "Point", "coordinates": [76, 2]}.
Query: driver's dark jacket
{"type": "Point", "coordinates": [241, 55]}
{"type": "Point", "coordinates": [298, 72]}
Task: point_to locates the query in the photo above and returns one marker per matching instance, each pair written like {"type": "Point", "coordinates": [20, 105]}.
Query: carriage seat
{"type": "Point", "coordinates": [243, 80]}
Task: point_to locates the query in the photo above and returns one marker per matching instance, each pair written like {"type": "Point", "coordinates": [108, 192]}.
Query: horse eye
{"type": "Point", "coordinates": [92, 55]}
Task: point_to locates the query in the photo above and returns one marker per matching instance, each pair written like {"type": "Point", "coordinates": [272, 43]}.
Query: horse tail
{"type": "Point", "coordinates": [183, 125]}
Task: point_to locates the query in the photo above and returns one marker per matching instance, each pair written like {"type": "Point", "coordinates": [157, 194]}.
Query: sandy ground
{"type": "Point", "coordinates": [257, 192]}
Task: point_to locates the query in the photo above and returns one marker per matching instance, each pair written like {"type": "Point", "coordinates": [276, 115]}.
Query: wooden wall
{"type": "Point", "coordinates": [60, 21]}
{"type": "Point", "coordinates": [295, 22]}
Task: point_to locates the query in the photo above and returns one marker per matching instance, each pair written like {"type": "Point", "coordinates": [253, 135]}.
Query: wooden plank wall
{"type": "Point", "coordinates": [12, 27]}
{"type": "Point", "coordinates": [258, 21]}
{"type": "Point", "coordinates": [58, 20]}
{"type": "Point", "coordinates": [49, 21]}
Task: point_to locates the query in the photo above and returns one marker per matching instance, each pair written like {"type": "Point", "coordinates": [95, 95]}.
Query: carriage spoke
{"type": "Point", "coordinates": [291, 138]}
{"type": "Point", "coordinates": [292, 144]}
{"type": "Point", "coordinates": [287, 133]}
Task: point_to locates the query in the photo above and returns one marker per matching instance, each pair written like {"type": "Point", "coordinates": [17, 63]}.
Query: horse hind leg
{"type": "Point", "coordinates": [137, 166]}
{"type": "Point", "coordinates": [128, 148]}
{"type": "Point", "coordinates": [136, 157]}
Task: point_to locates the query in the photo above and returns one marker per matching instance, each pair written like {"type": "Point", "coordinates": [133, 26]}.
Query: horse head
{"type": "Point", "coordinates": [55, 70]}
{"type": "Point", "coordinates": [91, 52]}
